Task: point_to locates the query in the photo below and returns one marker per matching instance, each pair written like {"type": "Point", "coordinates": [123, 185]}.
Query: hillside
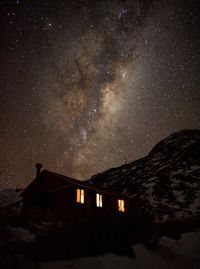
{"type": "Point", "coordinates": [166, 182]}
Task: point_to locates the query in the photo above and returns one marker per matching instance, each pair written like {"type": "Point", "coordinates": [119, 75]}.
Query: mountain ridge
{"type": "Point", "coordinates": [166, 181]}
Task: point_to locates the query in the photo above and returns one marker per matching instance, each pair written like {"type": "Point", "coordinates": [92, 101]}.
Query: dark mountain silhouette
{"type": "Point", "coordinates": [166, 183]}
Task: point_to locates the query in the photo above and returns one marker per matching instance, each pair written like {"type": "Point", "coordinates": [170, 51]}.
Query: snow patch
{"type": "Point", "coordinates": [22, 234]}
{"type": "Point", "coordinates": [8, 197]}
{"type": "Point", "coordinates": [194, 167]}
{"type": "Point", "coordinates": [182, 254]}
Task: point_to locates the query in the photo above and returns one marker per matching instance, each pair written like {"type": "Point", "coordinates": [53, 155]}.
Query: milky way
{"type": "Point", "coordinates": [88, 85]}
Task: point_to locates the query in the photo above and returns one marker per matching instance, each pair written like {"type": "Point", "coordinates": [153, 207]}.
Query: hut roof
{"type": "Point", "coordinates": [48, 181]}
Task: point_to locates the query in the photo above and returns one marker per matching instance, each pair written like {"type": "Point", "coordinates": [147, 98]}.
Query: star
{"type": "Point", "coordinates": [88, 85]}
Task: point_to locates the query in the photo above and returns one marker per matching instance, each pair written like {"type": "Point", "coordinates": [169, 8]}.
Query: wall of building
{"type": "Point", "coordinates": [65, 202]}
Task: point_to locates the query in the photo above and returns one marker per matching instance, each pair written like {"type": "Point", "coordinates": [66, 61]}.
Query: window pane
{"type": "Point", "coordinates": [98, 200]}
{"type": "Point", "coordinates": [80, 196]}
{"type": "Point", "coordinates": [121, 205]}
{"type": "Point", "coordinates": [101, 204]}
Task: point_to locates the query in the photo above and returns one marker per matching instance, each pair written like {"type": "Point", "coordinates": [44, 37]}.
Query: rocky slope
{"type": "Point", "coordinates": [166, 182]}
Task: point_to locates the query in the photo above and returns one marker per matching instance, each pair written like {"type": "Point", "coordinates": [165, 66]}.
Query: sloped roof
{"type": "Point", "coordinates": [51, 182]}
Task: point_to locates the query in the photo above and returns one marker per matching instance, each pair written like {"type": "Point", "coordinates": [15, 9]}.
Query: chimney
{"type": "Point", "coordinates": [38, 168]}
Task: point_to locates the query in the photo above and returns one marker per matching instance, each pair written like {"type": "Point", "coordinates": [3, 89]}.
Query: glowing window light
{"type": "Point", "coordinates": [80, 196]}
{"type": "Point", "coordinates": [99, 202]}
{"type": "Point", "coordinates": [121, 205]}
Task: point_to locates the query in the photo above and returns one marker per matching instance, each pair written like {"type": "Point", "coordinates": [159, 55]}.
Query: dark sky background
{"type": "Point", "coordinates": [89, 85]}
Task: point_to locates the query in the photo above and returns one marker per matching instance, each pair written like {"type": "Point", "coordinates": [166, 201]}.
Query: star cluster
{"type": "Point", "coordinates": [88, 85]}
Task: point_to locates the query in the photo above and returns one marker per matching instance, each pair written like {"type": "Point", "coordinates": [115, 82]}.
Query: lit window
{"type": "Point", "coordinates": [80, 196]}
{"type": "Point", "coordinates": [99, 200]}
{"type": "Point", "coordinates": [121, 205]}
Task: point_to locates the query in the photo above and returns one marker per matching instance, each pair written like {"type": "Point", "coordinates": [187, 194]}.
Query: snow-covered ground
{"type": "Point", "coordinates": [171, 254]}
{"type": "Point", "coordinates": [9, 196]}
{"type": "Point", "coordinates": [22, 234]}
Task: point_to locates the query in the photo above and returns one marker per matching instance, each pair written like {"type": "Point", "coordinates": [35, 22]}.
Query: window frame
{"type": "Point", "coordinates": [80, 196]}
{"type": "Point", "coordinates": [99, 200]}
{"type": "Point", "coordinates": [121, 205]}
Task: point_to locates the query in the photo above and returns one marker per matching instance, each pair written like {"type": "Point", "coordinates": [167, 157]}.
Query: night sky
{"type": "Point", "coordinates": [89, 85]}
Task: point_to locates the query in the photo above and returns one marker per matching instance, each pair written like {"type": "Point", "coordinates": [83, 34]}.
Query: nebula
{"type": "Point", "coordinates": [89, 92]}
{"type": "Point", "coordinates": [89, 85]}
